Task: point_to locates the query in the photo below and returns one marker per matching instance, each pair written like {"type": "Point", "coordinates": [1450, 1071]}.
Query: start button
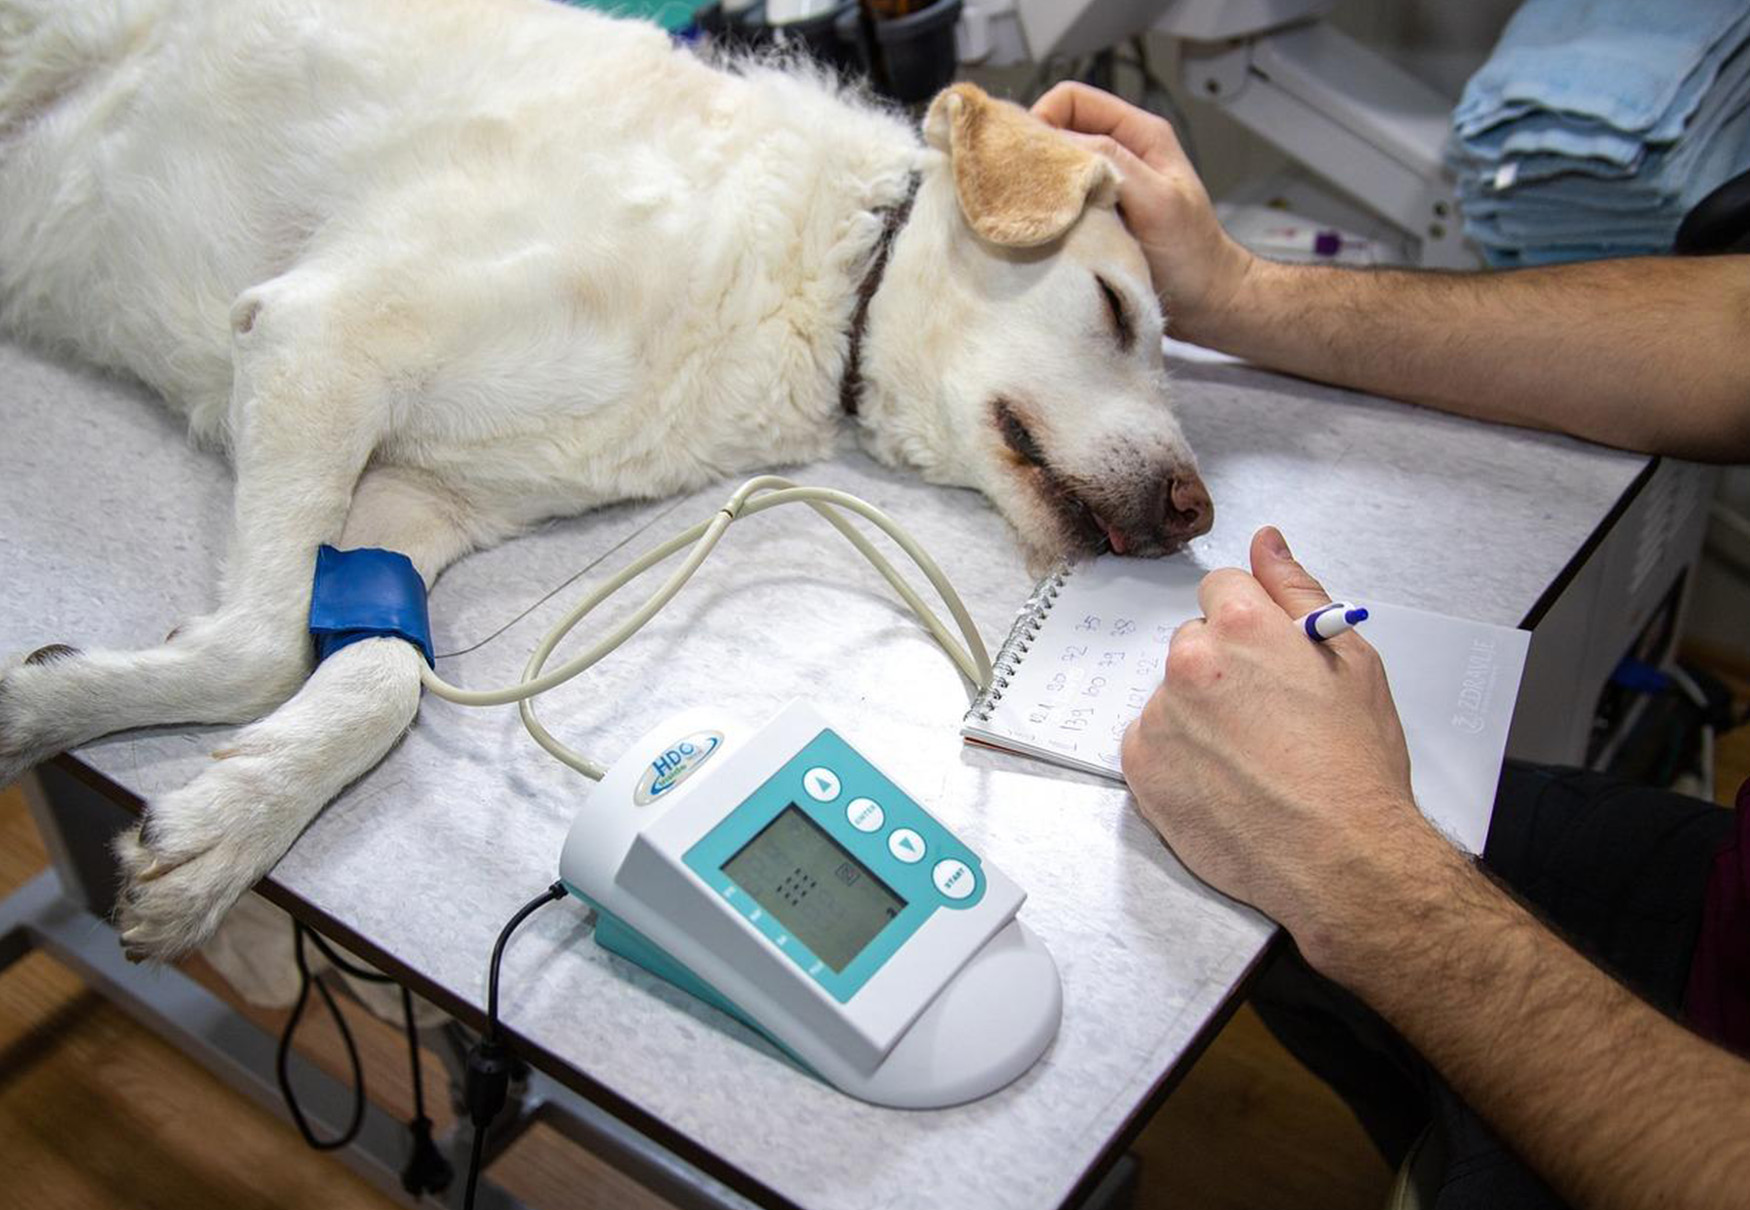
{"type": "Point", "coordinates": [954, 879]}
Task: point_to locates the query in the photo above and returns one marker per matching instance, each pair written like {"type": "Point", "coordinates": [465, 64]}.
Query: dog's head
{"type": "Point", "coordinates": [1020, 340]}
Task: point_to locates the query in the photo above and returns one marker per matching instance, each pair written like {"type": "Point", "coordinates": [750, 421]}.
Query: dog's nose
{"type": "Point", "coordinates": [1189, 510]}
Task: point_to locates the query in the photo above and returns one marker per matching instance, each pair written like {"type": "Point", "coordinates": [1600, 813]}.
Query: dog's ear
{"type": "Point", "coordinates": [1020, 182]}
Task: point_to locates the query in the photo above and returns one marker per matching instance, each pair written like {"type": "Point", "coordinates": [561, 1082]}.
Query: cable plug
{"type": "Point", "coordinates": [427, 1170]}
{"type": "Point", "coordinates": [488, 1083]}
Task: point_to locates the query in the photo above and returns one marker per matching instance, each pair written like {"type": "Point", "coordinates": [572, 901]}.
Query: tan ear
{"type": "Point", "coordinates": [1020, 182]}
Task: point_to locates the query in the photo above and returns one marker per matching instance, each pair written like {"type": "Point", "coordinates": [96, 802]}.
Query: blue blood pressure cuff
{"type": "Point", "coordinates": [367, 594]}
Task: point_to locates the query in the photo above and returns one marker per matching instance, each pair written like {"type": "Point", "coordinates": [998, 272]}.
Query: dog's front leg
{"type": "Point", "coordinates": [307, 411]}
{"type": "Point", "coordinates": [202, 846]}
{"type": "Point", "coordinates": [207, 843]}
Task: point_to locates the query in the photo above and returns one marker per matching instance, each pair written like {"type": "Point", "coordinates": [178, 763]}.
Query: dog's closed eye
{"type": "Point", "coordinates": [1122, 327]}
{"type": "Point", "coordinates": [1016, 435]}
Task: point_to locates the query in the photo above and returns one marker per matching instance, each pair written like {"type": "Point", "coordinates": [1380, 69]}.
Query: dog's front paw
{"type": "Point", "coordinates": [28, 734]}
{"type": "Point", "coordinates": [198, 850]}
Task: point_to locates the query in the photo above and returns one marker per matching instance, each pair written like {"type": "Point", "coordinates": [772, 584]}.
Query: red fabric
{"type": "Point", "coordinates": [1717, 1000]}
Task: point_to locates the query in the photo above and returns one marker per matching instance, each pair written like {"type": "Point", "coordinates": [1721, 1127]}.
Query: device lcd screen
{"type": "Point", "coordinates": [818, 892]}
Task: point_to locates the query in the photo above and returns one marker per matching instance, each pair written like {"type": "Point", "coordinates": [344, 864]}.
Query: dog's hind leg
{"type": "Point", "coordinates": [308, 411]}
{"type": "Point", "coordinates": [202, 846]}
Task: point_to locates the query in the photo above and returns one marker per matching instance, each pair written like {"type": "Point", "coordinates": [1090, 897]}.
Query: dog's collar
{"type": "Point", "coordinates": [893, 218]}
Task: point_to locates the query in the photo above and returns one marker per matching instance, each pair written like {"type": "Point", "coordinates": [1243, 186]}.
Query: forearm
{"type": "Point", "coordinates": [1610, 1101]}
{"type": "Point", "coordinates": [1650, 354]}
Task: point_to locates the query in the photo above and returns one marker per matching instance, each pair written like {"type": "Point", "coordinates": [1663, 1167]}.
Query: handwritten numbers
{"type": "Point", "coordinates": [1110, 658]}
{"type": "Point", "coordinates": [1078, 719]}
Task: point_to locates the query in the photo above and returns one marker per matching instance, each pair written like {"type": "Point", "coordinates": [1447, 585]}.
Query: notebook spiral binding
{"type": "Point", "coordinates": [1028, 619]}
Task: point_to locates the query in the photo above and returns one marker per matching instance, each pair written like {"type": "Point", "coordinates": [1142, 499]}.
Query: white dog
{"type": "Point", "coordinates": [432, 272]}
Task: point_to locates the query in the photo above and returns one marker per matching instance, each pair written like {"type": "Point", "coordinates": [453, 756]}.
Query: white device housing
{"type": "Point", "coordinates": [964, 1005]}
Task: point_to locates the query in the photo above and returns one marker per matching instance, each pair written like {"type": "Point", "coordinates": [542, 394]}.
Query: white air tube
{"type": "Point", "coordinates": [754, 496]}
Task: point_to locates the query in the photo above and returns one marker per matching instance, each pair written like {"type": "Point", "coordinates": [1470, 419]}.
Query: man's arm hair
{"type": "Point", "coordinates": [1650, 353]}
{"type": "Point", "coordinates": [1613, 1103]}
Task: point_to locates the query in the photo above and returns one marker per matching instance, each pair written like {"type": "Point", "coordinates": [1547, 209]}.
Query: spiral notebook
{"type": "Point", "coordinates": [1087, 650]}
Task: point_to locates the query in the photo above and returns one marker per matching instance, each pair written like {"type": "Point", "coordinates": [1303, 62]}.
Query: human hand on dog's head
{"type": "Point", "coordinates": [1196, 266]}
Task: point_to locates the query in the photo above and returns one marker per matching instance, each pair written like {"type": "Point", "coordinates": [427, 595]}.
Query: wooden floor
{"type": "Point", "coordinates": [96, 1112]}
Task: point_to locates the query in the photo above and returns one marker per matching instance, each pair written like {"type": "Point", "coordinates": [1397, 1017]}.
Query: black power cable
{"type": "Point", "coordinates": [283, 1056]}
{"type": "Point", "coordinates": [489, 1063]}
{"type": "Point", "coordinates": [427, 1170]}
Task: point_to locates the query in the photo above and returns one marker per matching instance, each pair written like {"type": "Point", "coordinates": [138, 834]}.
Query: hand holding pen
{"type": "Point", "coordinates": [1273, 763]}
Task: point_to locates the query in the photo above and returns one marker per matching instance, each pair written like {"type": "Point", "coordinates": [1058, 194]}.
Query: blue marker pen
{"type": "Point", "coordinates": [1329, 621]}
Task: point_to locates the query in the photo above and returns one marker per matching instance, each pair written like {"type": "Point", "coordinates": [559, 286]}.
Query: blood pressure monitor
{"type": "Point", "coordinates": [778, 874]}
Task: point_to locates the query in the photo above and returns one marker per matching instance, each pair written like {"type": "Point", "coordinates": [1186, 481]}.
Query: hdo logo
{"type": "Point", "coordinates": [676, 763]}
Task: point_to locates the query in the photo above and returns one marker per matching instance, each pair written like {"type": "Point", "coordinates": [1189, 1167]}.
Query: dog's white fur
{"type": "Point", "coordinates": [432, 272]}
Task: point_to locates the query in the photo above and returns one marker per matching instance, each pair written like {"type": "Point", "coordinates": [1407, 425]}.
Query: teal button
{"type": "Point", "coordinates": [954, 879]}
{"type": "Point", "coordinates": [821, 783]}
{"type": "Point", "coordinates": [865, 814]}
{"type": "Point", "coordinates": [906, 845]}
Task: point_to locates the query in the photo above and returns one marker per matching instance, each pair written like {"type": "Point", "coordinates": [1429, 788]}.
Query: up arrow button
{"type": "Point", "coordinates": [821, 783]}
